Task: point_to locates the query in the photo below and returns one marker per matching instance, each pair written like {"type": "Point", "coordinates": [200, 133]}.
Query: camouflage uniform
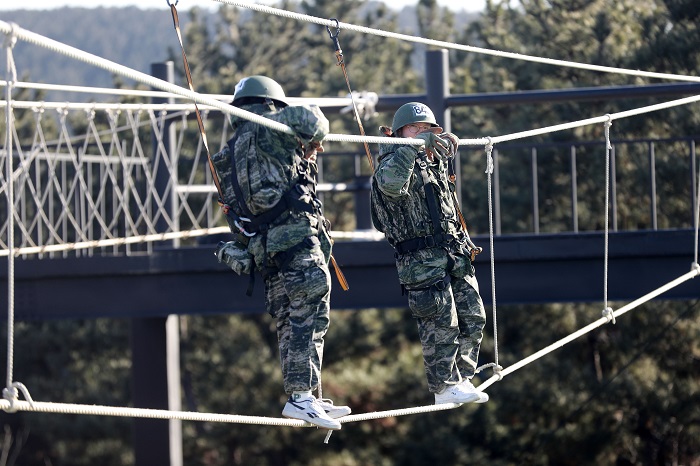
{"type": "Point", "coordinates": [443, 294]}
{"type": "Point", "coordinates": [292, 250]}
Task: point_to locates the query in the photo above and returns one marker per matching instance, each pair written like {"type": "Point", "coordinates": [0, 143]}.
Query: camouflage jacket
{"type": "Point", "coordinates": [400, 210]}
{"type": "Point", "coordinates": [268, 164]}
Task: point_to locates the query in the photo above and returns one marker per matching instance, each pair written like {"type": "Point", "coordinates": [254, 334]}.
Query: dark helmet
{"type": "Point", "coordinates": [413, 112]}
{"type": "Point", "coordinates": [260, 87]}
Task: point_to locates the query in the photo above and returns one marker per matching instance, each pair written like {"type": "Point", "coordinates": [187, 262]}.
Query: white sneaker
{"type": "Point", "coordinates": [459, 393]}
{"type": "Point", "coordinates": [483, 397]}
{"type": "Point", "coordinates": [309, 410]}
{"type": "Point", "coordinates": [333, 411]}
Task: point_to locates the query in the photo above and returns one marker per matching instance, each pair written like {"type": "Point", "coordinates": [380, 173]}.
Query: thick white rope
{"type": "Point", "coordinates": [353, 138]}
{"type": "Point", "coordinates": [451, 45]}
{"type": "Point", "coordinates": [607, 311]}
{"type": "Point", "coordinates": [9, 43]}
{"type": "Point", "coordinates": [122, 70]}
{"type": "Point", "coordinates": [13, 404]}
{"type": "Point", "coordinates": [111, 242]}
{"type": "Point", "coordinates": [154, 82]}
{"type": "Point", "coordinates": [98, 410]}
{"type": "Point", "coordinates": [28, 104]}
{"type": "Point", "coordinates": [489, 176]}
{"type": "Point", "coordinates": [584, 122]}
{"type": "Point", "coordinates": [695, 271]}
{"type": "Point", "coordinates": [230, 110]}
{"type": "Point", "coordinates": [697, 207]}
{"type": "Point", "coordinates": [127, 72]}
{"type": "Point", "coordinates": [368, 99]}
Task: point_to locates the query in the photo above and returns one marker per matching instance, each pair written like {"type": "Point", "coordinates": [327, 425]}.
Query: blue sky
{"type": "Point", "coordinates": [469, 5]}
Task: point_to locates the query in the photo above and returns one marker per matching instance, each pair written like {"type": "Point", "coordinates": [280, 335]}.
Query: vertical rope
{"type": "Point", "coordinates": [608, 148]}
{"type": "Point", "coordinates": [341, 63]}
{"type": "Point", "coordinates": [10, 41]}
{"type": "Point", "coordinates": [489, 172]}
{"type": "Point", "coordinates": [697, 207]}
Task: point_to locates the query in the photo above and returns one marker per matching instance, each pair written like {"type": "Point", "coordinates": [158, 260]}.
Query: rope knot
{"type": "Point", "coordinates": [497, 371]}
{"type": "Point", "coordinates": [11, 38]}
{"type": "Point", "coordinates": [609, 314]}
{"type": "Point", "coordinates": [489, 155]}
{"type": "Point", "coordinates": [11, 394]}
{"type": "Point", "coordinates": [608, 124]}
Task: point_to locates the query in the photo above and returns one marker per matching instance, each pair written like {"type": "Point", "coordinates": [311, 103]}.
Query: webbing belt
{"type": "Point", "coordinates": [422, 242]}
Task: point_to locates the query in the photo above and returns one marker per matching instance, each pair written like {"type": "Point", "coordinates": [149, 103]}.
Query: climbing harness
{"type": "Point", "coordinates": [438, 238]}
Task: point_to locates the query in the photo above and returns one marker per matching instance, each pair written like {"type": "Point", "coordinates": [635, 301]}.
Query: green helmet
{"type": "Point", "coordinates": [259, 86]}
{"type": "Point", "coordinates": [412, 112]}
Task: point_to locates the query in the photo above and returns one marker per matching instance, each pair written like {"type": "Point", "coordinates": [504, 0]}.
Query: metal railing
{"type": "Point", "coordinates": [93, 177]}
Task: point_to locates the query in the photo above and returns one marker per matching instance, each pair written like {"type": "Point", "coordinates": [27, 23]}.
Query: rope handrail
{"type": "Point", "coordinates": [78, 54]}
{"type": "Point", "coordinates": [607, 317]}
{"type": "Point", "coordinates": [325, 102]}
{"type": "Point", "coordinates": [101, 410]}
{"type": "Point", "coordinates": [11, 405]}
{"type": "Point", "coordinates": [185, 234]}
{"type": "Point", "coordinates": [379, 140]}
{"type": "Point", "coordinates": [455, 46]}
{"type": "Point", "coordinates": [130, 73]}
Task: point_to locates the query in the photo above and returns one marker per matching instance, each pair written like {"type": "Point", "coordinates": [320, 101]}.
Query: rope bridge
{"type": "Point", "coordinates": [58, 175]}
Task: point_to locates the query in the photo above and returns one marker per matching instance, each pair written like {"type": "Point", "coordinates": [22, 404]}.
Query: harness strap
{"type": "Point", "coordinates": [430, 196]}
{"type": "Point", "coordinates": [257, 223]}
{"type": "Point", "coordinates": [422, 242]}
{"type": "Point", "coordinates": [473, 248]}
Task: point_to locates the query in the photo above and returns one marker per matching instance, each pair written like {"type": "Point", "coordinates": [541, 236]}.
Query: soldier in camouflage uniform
{"type": "Point", "coordinates": [412, 203]}
{"type": "Point", "coordinates": [268, 180]}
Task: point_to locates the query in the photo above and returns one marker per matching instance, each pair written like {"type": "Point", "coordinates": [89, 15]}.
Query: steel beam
{"type": "Point", "coordinates": [529, 269]}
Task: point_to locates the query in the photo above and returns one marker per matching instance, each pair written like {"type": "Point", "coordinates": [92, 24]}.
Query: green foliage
{"type": "Point", "coordinates": [83, 362]}
{"type": "Point", "coordinates": [623, 393]}
{"type": "Point", "coordinates": [627, 34]}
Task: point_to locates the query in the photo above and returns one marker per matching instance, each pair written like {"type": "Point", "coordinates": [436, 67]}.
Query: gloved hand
{"type": "Point", "coordinates": [311, 149]}
{"type": "Point", "coordinates": [434, 144]}
{"type": "Point", "coordinates": [452, 143]}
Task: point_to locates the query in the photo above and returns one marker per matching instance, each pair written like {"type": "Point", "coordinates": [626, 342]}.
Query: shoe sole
{"type": "Point", "coordinates": [329, 427]}
{"type": "Point", "coordinates": [338, 413]}
{"type": "Point", "coordinates": [473, 397]}
{"type": "Point", "coordinates": [315, 420]}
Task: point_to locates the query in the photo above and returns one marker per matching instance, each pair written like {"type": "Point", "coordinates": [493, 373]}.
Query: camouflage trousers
{"type": "Point", "coordinates": [299, 298]}
{"type": "Point", "coordinates": [451, 319]}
